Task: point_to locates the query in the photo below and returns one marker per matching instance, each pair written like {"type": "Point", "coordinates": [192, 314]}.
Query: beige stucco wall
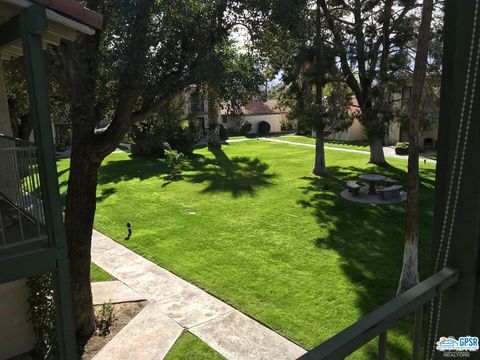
{"type": "Point", "coordinates": [16, 332]}
{"type": "Point", "coordinates": [234, 123]}
{"type": "Point", "coordinates": [354, 133]}
{"type": "Point", "coordinates": [275, 121]}
{"type": "Point", "coordinates": [5, 125]}
{"type": "Point", "coordinates": [393, 134]}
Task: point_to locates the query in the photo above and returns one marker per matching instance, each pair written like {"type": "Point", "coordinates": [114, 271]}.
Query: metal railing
{"type": "Point", "coordinates": [378, 322]}
{"type": "Point", "coordinates": [22, 215]}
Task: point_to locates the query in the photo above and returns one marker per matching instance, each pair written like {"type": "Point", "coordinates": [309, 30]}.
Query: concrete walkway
{"type": "Point", "coordinates": [114, 292]}
{"type": "Point", "coordinates": [389, 151]}
{"type": "Point", "coordinates": [176, 305]}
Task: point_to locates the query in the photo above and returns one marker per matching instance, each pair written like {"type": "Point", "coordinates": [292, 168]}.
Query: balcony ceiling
{"type": "Point", "coordinates": [65, 19]}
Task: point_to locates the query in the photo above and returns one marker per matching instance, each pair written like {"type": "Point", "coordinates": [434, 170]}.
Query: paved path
{"type": "Point", "coordinates": [176, 305]}
{"type": "Point", "coordinates": [387, 150]}
{"type": "Point", "coordinates": [114, 292]}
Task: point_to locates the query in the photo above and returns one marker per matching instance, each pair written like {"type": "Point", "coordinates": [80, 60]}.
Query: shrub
{"type": "Point", "coordinates": [104, 319]}
{"type": "Point", "coordinates": [174, 160]}
{"type": "Point", "coordinates": [41, 302]}
{"type": "Point", "coordinates": [246, 128]}
{"type": "Point", "coordinates": [169, 125]}
{"type": "Point", "coordinates": [223, 132]}
{"type": "Point", "coordinates": [401, 148]}
{"type": "Point", "coordinates": [264, 128]}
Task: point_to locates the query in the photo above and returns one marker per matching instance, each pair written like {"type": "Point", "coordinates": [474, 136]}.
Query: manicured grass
{"type": "Point", "coordinates": [354, 145]}
{"type": "Point", "coordinates": [98, 274]}
{"type": "Point", "coordinates": [189, 347]}
{"type": "Point", "coordinates": [252, 226]}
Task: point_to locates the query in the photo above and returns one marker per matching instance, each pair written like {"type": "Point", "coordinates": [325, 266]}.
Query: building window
{"type": "Point", "coordinates": [197, 103]}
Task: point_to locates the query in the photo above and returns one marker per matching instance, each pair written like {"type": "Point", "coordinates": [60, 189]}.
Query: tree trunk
{"type": "Point", "coordinates": [319, 168]}
{"type": "Point", "coordinates": [213, 131]}
{"type": "Point", "coordinates": [377, 156]}
{"type": "Point", "coordinates": [79, 215]}
{"type": "Point", "coordinates": [409, 276]}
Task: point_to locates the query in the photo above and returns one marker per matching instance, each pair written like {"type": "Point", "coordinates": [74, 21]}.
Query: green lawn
{"type": "Point", "coordinates": [251, 225]}
{"type": "Point", "coordinates": [354, 145]}
{"type": "Point", "coordinates": [98, 274]}
{"type": "Point", "coordinates": [189, 347]}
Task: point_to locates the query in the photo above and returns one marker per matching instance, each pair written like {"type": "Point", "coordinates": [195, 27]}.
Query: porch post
{"type": "Point", "coordinates": [33, 22]}
{"type": "Point", "coordinates": [5, 125]}
{"type": "Point", "coordinates": [456, 233]}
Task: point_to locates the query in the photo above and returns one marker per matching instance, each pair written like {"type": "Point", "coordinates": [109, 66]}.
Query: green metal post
{"type": "Point", "coordinates": [33, 22]}
{"type": "Point", "coordinates": [457, 205]}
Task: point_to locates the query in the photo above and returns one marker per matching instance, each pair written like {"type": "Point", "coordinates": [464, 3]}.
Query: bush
{"type": "Point", "coordinates": [41, 302]}
{"type": "Point", "coordinates": [246, 128]}
{"type": "Point", "coordinates": [222, 132]}
{"type": "Point", "coordinates": [169, 125]}
{"type": "Point", "coordinates": [401, 148]}
{"type": "Point", "coordinates": [264, 128]}
{"type": "Point", "coordinates": [174, 160]}
{"type": "Point", "coordinates": [104, 319]}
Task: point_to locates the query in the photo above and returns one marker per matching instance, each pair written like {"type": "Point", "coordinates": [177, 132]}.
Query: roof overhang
{"type": "Point", "coordinates": [60, 26]}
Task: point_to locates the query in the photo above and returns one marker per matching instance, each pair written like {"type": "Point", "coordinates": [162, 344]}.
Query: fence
{"type": "Point", "coordinates": [22, 216]}
{"type": "Point", "coordinates": [378, 322]}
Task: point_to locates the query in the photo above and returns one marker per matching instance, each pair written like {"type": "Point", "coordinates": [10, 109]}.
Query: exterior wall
{"type": "Point", "coordinates": [275, 121]}
{"type": "Point", "coordinates": [393, 134]}
{"type": "Point", "coordinates": [234, 123]}
{"type": "Point", "coordinates": [354, 133]}
{"type": "Point", "coordinates": [16, 332]}
{"type": "Point", "coordinates": [5, 125]}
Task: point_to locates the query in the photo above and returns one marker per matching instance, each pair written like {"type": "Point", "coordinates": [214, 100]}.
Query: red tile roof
{"type": "Point", "coordinates": [76, 11]}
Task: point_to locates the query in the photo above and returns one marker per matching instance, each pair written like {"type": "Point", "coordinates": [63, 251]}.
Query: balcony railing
{"type": "Point", "coordinates": [22, 216]}
{"type": "Point", "coordinates": [378, 322]}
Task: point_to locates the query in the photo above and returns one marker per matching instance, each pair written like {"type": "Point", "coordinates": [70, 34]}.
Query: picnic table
{"type": "Point", "coordinates": [372, 180]}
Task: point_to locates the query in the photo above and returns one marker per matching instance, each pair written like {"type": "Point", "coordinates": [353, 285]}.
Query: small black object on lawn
{"type": "Point", "coordinates": [129, 229]}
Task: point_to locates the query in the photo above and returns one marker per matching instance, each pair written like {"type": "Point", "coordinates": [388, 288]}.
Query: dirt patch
{"type": "Point", "coordinates": [123, 314]}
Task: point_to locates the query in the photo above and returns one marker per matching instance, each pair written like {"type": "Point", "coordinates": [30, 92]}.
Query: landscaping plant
{"type": "Point", "coordinates": [41, 309]}
{"type": "Point", "coordinates": [246, 128]}
{"type": "Point", "coordinates": [263, 127]}
{"type": "Point", "coordinates": [105, 319]}
{"type": "Point", "coordinates": [174, 160]}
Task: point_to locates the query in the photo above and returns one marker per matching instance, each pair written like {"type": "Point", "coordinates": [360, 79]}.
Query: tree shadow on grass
{"type": "Point", "coordinates": [369, 238]}
{"type": "Point", "coordinates": [140, 168]}
{"type": "Point", "coordinates": [237, 175]}
{"type": "Point", "coordinates": [105, 194]}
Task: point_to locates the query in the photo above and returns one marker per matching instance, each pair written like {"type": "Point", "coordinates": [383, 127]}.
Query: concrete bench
{"type": "Point", "coordinates": [353, 187]}
{"type": "Point", "coordinates": [392, 191]}
{"type": "Point", "coordinates": [389, 182]}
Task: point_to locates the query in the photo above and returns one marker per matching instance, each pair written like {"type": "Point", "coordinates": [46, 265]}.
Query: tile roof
{"type": "Point", "coordinates": [75, 10]}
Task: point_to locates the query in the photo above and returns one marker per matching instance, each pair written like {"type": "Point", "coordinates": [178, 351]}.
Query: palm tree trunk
{"type": "Point", "coordinates": [319, 167]}
{"type": "Point", "coordinates": [213, 131]}
{"type": "Point", "coordinates": [409, 276]}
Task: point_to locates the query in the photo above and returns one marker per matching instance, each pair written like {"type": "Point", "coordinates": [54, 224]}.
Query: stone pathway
{"type": "Point", "coordinates": [389, 151]}
{"type": "Point", "coordinates": [176, 305]}
{"type": "Point", "coordinates": [149, 335]}
{"type": "Point", "coordinates": [114, 292]}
